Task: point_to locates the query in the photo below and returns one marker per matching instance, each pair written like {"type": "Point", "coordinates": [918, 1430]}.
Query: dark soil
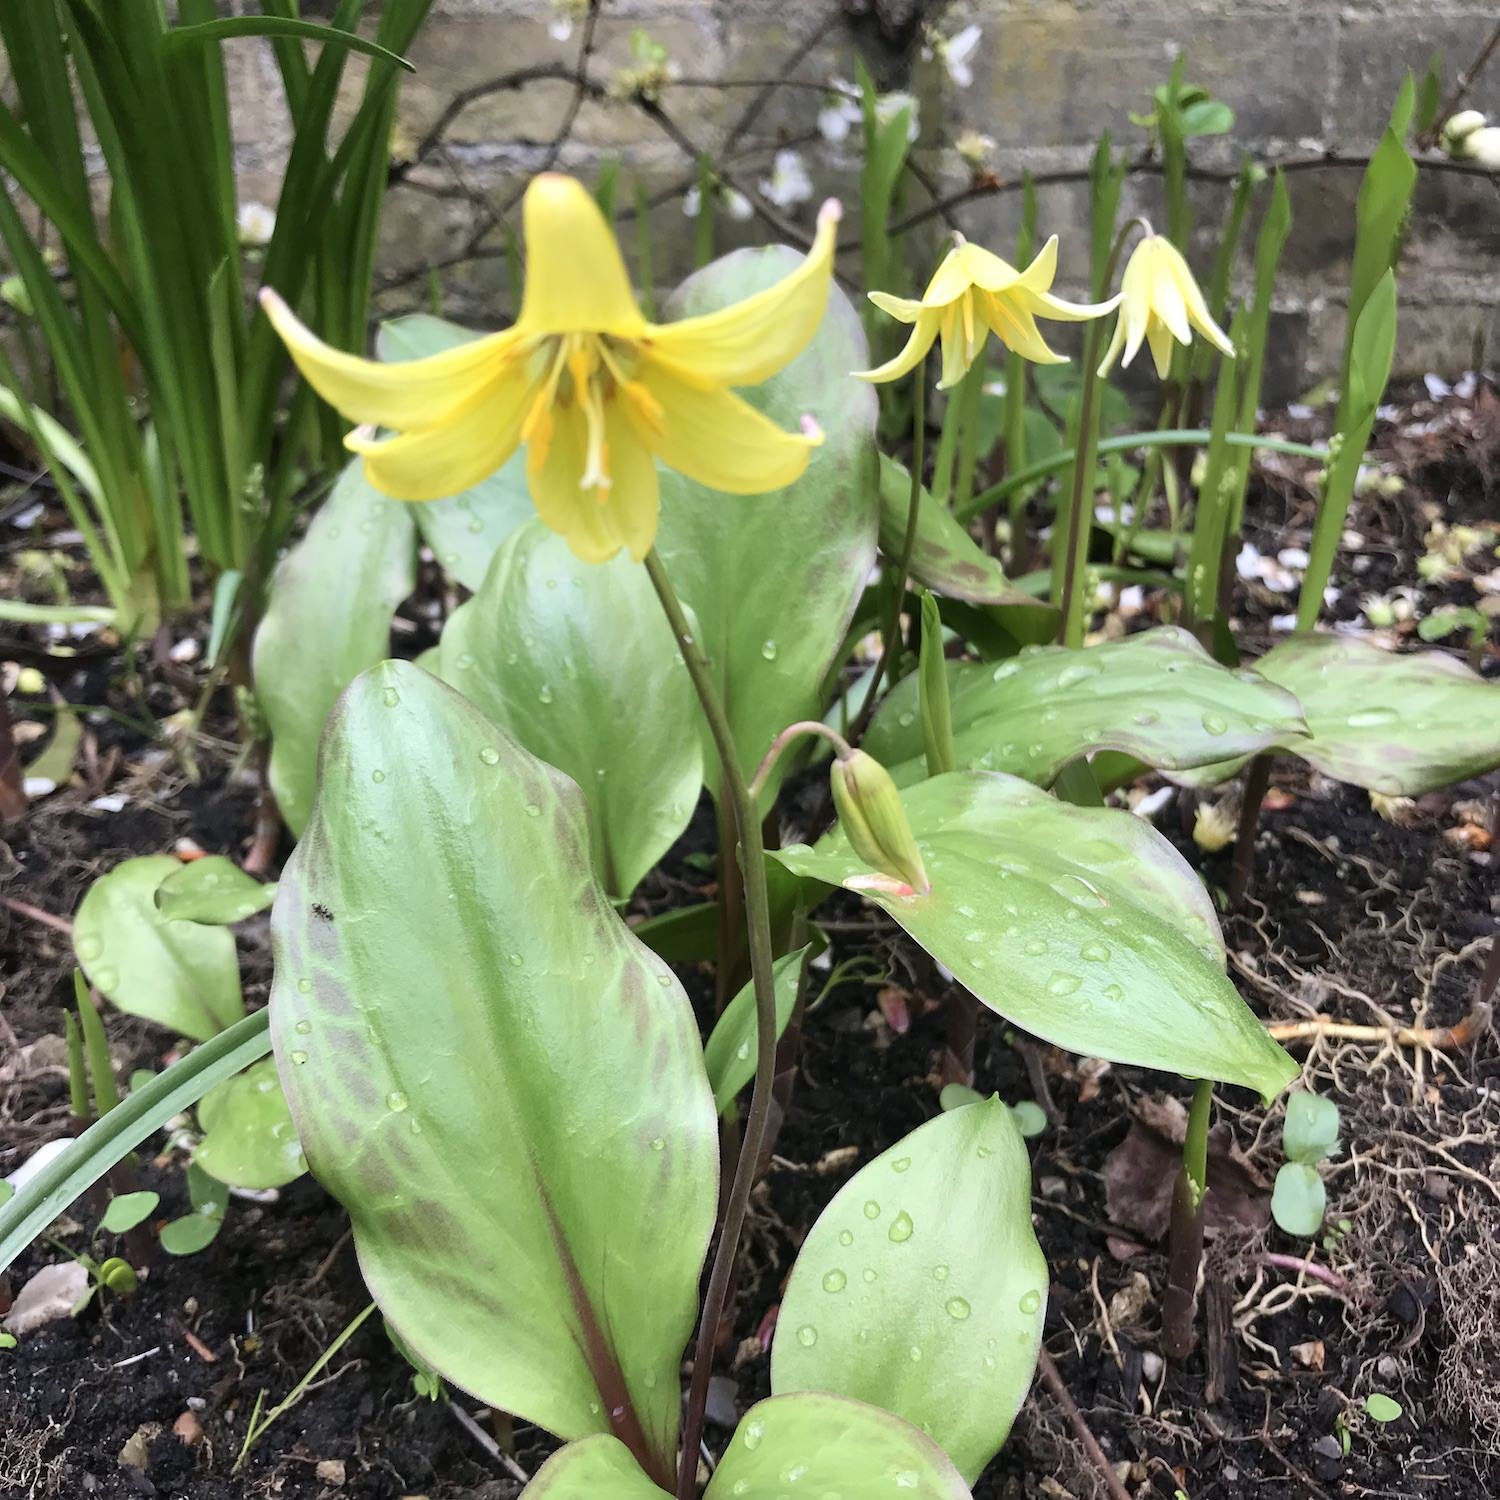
{"type": "Point", "coordinates": [1352, 916]}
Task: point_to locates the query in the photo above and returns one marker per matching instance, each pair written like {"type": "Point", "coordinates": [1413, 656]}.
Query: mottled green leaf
{"type": "Point", "coordinates": [249, 1140]}
{"type": "Point", "coordinates": [214, 891]}
{"type": "Point", "coordinates": [1082, 925]}
{"type": "Point", "coordinates": [464, 531]}
{"type": "Point", "coordinates": [729, 1054]}
{"type": "Point", "coordinates": [774, 578]}
{"type": "Point", "coordinates": [593, 1468]}
{"type": "Point", "coordinates": [921, 1287]}
{"type": "Point", "coordinates": [503, 1087]}
{"type": "Point", "coordinates": [945, 557]}
{"type": "Point", "coordinates": [177, 974]}
{"type": "Point", "coordinates": [1157, 696]}
{"type": "Point", "coordinates": [329, 617]}
{"type": "Point", "coordinates": [810, 1443]}
{"type": "Point", "coordinates": [577, 662]}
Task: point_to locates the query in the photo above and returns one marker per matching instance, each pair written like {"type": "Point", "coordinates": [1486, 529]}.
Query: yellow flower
{"type": "Point", "coordinates": [1160, 300]}
{"type": "Point", "coordinates": [973, 294]}
{"type": "Point", "coordinates": [594, 391]}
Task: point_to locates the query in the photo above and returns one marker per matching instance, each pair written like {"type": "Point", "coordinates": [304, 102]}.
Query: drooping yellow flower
{"type": "Point", "coordinates": [1159, 302]}
{"type": "Point", "coordinates": [594, 391]}
{"type": "Point", "coordinates": [972, 295]}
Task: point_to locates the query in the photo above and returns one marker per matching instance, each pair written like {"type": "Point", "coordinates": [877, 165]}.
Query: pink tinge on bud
{"type": "Point", "coordinates": [882, 883]}
{"type": "Point", "coordinates": [810, 428]}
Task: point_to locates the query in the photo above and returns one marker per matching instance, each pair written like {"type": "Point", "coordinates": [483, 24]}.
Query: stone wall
{"type": "Point", "coordinates": [1304, 79]}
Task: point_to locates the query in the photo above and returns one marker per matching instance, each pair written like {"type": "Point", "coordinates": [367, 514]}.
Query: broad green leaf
{"type": "Point", "coordinates": [1382, 1408]}
{"type": "Point", "coordinates": [329, 617]}
{"type": "Point", "coordinates": [1400, 724]}
{"type": "Point", "coordinates": [774, 579]}
{"type": "Point", "coordinates": [1157, 696]}
{"type": "Point", "coordinates": [177, 974]}
{"type": "Point", "coordinates": [577, 663]}
{"type": "Point", "coordinates": [921, 1287]}
{"type": "Point", "coordinates": [729, 1054]}
{"type": "Point", "coordinates": [945, 558]}
{"type": "Point", "coordinates": [249, 1140]}
{"type": "Point", "coordinates": [1310, 1132]}
{"type": "Point", "coordinates": [593, 1468]}
{"type": "Point", "coordinates": [1082, 925]}
{"type": "Point", "coordinates": [128, 1210]}
{"type": "Point", "coordinates": [454, 991]}
{"type": "Point", "coordinates": [464, 531]}
{"type": "Point", "coordinates": [213, 891]}
{"type": "Point", "coordinates": [1298, 1198]}
{"type": "Point", "coordinates": [685, 935]}
{"type": "Point", "coordinates": [810, 1443]}
{"type": "Point", "coordinates": [114, 1136]}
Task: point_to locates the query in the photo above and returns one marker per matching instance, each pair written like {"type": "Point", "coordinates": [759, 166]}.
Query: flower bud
{"type": "Point", "coordinates": [1458, 130]}
{"type": "Point", "coordinates": [874, 822]}
{"type": "Point", "coordinates": [1483, 148]}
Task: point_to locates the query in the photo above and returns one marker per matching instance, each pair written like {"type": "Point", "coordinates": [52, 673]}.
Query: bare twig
{"type": "Point", "coordinates": [1052, 1379]}
{"type": "Point", "coordinates": [1461, 86]}
{"type": "Point", "coordinates": [488, 1443]}
{"type": "Point", "coordinates": [1434, 1038]}
{"type": "Point", "coordinates": [36, 914]}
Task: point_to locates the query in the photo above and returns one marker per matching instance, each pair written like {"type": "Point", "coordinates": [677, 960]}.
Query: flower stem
{"type": "Point", "coordinates": [889, 629]}
{"type": "Point", "coordinates": [758, 915]}
{"type": "Point", "coordinates": [1185, 1234]}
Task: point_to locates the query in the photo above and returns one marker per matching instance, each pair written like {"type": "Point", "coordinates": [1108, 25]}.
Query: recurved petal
{"type": "Point", "coordinates": [1045, 305]}
{"type": "Point", "coordinates": [749, 341]}
{"type": "Point", "coordinates": [467, 446]}
{"type": "Point", "coordinates": [720, 440]}
{"type": "Point", "coordinates": [576, 280]}
{"type": "Point", "coordinates": [903, 309]}
{"type": "Point", "coordinates": [1116, 344]}
{"type": "Point", "coordinates": [923, 333]}
{"type": "Point", "coordinates": [1197, 308]}
{"type": "Point", "coordinates": [1013, 324]}
{"type": "Point", "coordinates": [597, 522]}
{"type": "Point", "coordinates": [399, 394]}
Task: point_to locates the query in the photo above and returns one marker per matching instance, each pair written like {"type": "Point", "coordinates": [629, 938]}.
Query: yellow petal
{"type": "Point", "coordinates": [922, 335]}
{"type": "Point", "coordinates": [1166, 294]}
{"type": "Point", "coordinates": [1159, 336]}
{"type": "Point", "coordinates": [983, 268]}
{"type": "Point", "coordinates": [597, 522]}
{"type": "Point", "coordinates": [1197, 308]}
{"type": "Point", "coordinates": [431, 463]}
{"type": "Point", "coordinates": [952, 278]}
{"type": "Point", "coordinates": [749, 341]}
{"type": "Point", "coordinates": [1015, 327]}
{"type": "Point", "coordinates": [964, 337]}
{"type": "Point", "coordinates": [1116, 343]}
{"type": "Point", "coordinates": [1042, 272]}
{"type": "Point", "coordinates": [1045, 305]}
{"type": "Point", "coordinates": [903, 309]}
{"type": "Point", "coordinates": [720, 440]}
{"type": "Point", "coordinates": [575, 279]}
{"type": "Point", "coordinates": [399, 394]}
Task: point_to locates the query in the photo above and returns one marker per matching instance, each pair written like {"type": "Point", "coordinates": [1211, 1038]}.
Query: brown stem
{"type": "Point", "coordinates": [1179, 1304]}
{"type": "Point", "coordinates": [1052, 1379]}
{"type": "Point", "coordinates": [1257, 780]}
{"type": "Point", "coordinates": [12, 785]}
{"type": "Point", "coordinates": [36, 914]}
{"type": "Point", "coordinates": [961, 1013]}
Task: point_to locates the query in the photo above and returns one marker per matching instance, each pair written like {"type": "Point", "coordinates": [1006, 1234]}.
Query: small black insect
{"type": "Point", "coordinates": [319, 910]}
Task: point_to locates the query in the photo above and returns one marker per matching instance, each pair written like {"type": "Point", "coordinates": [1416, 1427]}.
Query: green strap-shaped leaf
{"type": "Point", "coordinates": [1082, 925]}
{"type": "Point", "coordinates": [503, 1087]}
{"type": "Point", "coordinates": [945, 557]}
{"type": "Point", "coordinates": [921, 1288]}
{"type": "Point", "coordinates": [1157, 696]}
{"type": "Point", "coordinates": [810, 1443]}
{"type": "Point", "coordinates": [249, 1140]}
{"type": "Point", "coordinates": [577, 663]}
{"type": "Point", "coordinates": [729, 1054]}
{"type": "Point", "coordinates": [213, 891]}
{"type": "Point", "coordinates": [1396, 724]}
{"type": "Point", "coordinates": [774, 579]}
{"type": "Point", "coordinates": [465, 531]}
{"type": "Point", "coordinates": [177, 974]}
{"type": "Point", "coordinates": [329, 617]}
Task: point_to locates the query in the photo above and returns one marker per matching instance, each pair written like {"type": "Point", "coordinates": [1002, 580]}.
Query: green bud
{"type": "Point", "coordinates": [932, 682]}
{"type": "Point", "coordinates": [118, 1275]}
{"type": "Point", "coordinates": [874, 821]}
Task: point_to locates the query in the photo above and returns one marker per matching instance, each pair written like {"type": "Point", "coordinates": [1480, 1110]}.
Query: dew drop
{"type": "Point", "coordinates": [1372, 718]}
{"type": "Point", "coordinates": [106, 979]}
{"type": "Point", "coordinates": [532, 810]}
{"type": "Point", "coordinates": [1030, 1302]}
{"type": "Point", "coordinates": [299, 1058]}
{"type": "Point", "coordinates": [1113, 992]}
{"type": "Point", "coordinates": [989, 1361]}
{"type": "Point", "coordinates": [1004, 670]}
{"type": "Point", "coordinates": [742, 1051]}
{"type": "Point", "coordinates": [835, 1281]}
{"type": "Point", "coordinates": [490, 756]}
{"type": "Point", "coordinates": [940, 1273]}
{"type": "Point", "coordinates": [658, 1143]}
{"type": "Point", "coordinates": [907, 1479]}
{"type": "Point", "coordinates": [1148, 716]}
{"type": "Point", "coordinates": [1215, 723]}
{"type": "Point", "coordinates": [1094, 953]}
{"type": "Point", "coordinates": [846, 1236]}
{"type": "Point", "coordinates": [907, 719]}
{"type": "Point", "coordinates": [754, 1432]}
{"type": "Point", "coordinates": [740, 1487]}
{"type": "Point", "coordinates": [807, 1335]}
{"type": "Point", "coordinates": [792, 1473]}
{"type": "Point", "coordinates": [544, 693]}
{"type": "Point", "coordinates": [377, 776]}
{"type": "Point", "coordinates": [901, 1164]}
{"type": "Point", "coordinates": [664, 980]}
{"type": "Point", "coordinates": [303, 1028]}
{"type": "Point", "coordinates": [390, 697]}
{"type": "Point", "coordinates": [768, 650]}
{"type": "Point", "coordinates": [305, 985]}
{"type": "Point", "coordinates": [465, 661]}
{"type": "Point", "coordinates": [914, 1354]}
{"type": "Point", "coordinates": [1036, 946]}
{"type": "Point", "coordinates": [89, 948]}
{"type": "Point", "coordinates": [1062, 983]}
{"type": "Point", "coordinates": [396, 1100]}
{"type": "Point", "coordinates": [901, 1228]}
{"type": "Point", "coordinates": [868, 1274]}
{"type": "Point", "coordinates": [984, 1151]}
{"type": "Point", "coordinates": [476, 525]}
{"type": "Point", "coordinates": [958, 1308]}
{"type": "Point", "coordinates": [872, 1209]}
